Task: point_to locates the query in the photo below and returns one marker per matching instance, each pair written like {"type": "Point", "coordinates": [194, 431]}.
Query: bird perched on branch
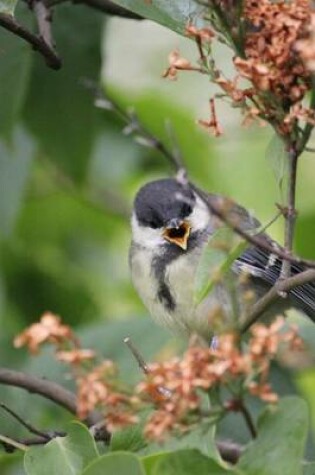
{"type": "Point", "coordinates": [172, 227]}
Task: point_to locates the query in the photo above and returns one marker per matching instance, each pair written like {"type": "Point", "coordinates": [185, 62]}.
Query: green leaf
{"type": "Point", "coordinates": [309, 468]}
{"type": "Point", "coordinates": [15, 66]}
{"type": "Point", "coordinates": [7, 6]}
{"type": "Point", "coordinates": [129, 439]}
{"type": "Point", "coordinates": [216, 260]}
{"type": "Point", "coordinates": [59, 110]}
{"type": "Point", "coordinates": [305, 229]}
{"type": "Point", "coordinates": [64, 455]}
{"type": "Point", "coordinates": [174, 15]}
{"type": "Point", "coordinates": [118, 463]}
{"type": "Point", "coordinates": [279, 447]}
{"type": "Point", "coordinates": [11, 463]}
{"type": "Point", "coordinates": [185, 462]}
{"type": "Point", "coordinates": [79, 439]}
{"type": "Point", "coordinates": [151, 461]}
{"type": "Point", "coordinates": [278, 160]}
{"type": "Point", "coordinates": [202, 438]}
{"type": "Point", "coordinates": [15, 166]}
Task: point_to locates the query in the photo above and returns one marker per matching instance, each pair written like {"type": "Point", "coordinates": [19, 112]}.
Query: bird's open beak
{"type": "Point", "coordinates": [177, 232]}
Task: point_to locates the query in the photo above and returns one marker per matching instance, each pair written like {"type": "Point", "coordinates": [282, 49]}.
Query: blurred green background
{"type": "Point", "coordinates": [67, 179]}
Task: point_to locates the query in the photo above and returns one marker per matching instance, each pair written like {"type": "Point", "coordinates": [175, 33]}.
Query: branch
{"type": "Point", "coordinates": [43, 16]}
{"type": "Point", "coordinates": [229, 451]}
{"type": "Point", "coordinates": [274, 294]}
{"type": "Point", "coordinates": [7, 441]}
{"type": "Point", "coordinates": [48, 389]}
{"type": "Point", "coordinates": [136, 354]}
{"type": "Point", "coordinates": [24, 423]}
{"type": "Point", "coordinates": [248, 419]}
{"type": "Point", "coordinates": [290, 211]}
{"type": "Point", "coordinates": [37, 42]}
{"type": "Point", "coordinates": [140, 133]}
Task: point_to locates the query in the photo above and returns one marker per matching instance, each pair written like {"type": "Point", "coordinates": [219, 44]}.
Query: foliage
{"type": "Point", "coordinates": [66, 177]}
{"type": "Point", "coordinates": [76, 454]}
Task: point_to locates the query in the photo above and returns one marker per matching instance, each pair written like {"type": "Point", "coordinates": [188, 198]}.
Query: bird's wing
{"type": "Point", "coordinates": [265, 267]}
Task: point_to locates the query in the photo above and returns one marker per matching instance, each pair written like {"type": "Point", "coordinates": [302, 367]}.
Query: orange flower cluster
{"type": "Point", "coordinates": [203, 35]}
{"type": "Point", "coordinates": [96, 385]}
{"type": "Point", "coordinates": [274, 42]}
{"type": "Point", "coordinates": [306, 46]}
{"type": "Point", "coordinates": [97, 389]}
{"type": "Point", "coordinates": [48, 330]}
{"type": "Point", "coordinates": [175, 385]}
{"type": "Point", "coordinates": [272, 63]}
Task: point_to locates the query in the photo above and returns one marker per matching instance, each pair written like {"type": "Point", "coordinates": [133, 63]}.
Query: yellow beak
{"type": "Point", "coordinates": [178, 235]}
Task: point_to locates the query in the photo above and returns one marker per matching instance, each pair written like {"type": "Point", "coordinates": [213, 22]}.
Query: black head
{"type": "Point", "coordinates": [161, 201]}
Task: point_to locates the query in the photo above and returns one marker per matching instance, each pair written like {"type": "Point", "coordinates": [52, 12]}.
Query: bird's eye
{"type": "Point", "coordinates": [186, 210]}
{"type": "Point", "coordinates": [154, 223]}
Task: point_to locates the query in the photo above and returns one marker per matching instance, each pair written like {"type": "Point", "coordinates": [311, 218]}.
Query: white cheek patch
{"type": "Point", "coordinates": [144, 235]}
{"type": "Point", "coordinates": [200, 217]}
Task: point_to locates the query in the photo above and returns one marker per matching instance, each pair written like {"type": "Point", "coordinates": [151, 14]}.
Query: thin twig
{"type": "Point", "coordinates": [271, 221]}
{"type": "Point", "coordinates": [43, 16]}
{"type": "Point", "coordinates": [37, 42]}
{"type": "Point", "coordinates": [256, 240]}
{"type": "Point", "coordinates": [98, 432]}
{"type": "Point", "coordinates": [135, 128]}
{"type": "Point", "coordinates": [8, 441]}
{"type": "Point", "coordinates": [275, 293]}
{"type": "Point", "coordinates": [41, 440]}
{"type": "Point", "coordinates": [248, 419]}
{"type": "Point", "coordinates": [181, 172]}
{"type": "Point", "coordinates": [24, 423]}
{"type": "Point", "coordinates": [139, 359]}
{"type": "Point", "coordinates": [144, 367]}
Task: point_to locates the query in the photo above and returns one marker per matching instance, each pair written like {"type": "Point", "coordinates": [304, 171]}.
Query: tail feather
{"type": "Point", "coordinates": [303, 297]}
{"type": "Point", "coordinates": [266, 267]}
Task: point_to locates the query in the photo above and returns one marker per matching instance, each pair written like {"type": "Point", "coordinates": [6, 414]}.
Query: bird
{"type": "Point", "coordinates": [172, 225]}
